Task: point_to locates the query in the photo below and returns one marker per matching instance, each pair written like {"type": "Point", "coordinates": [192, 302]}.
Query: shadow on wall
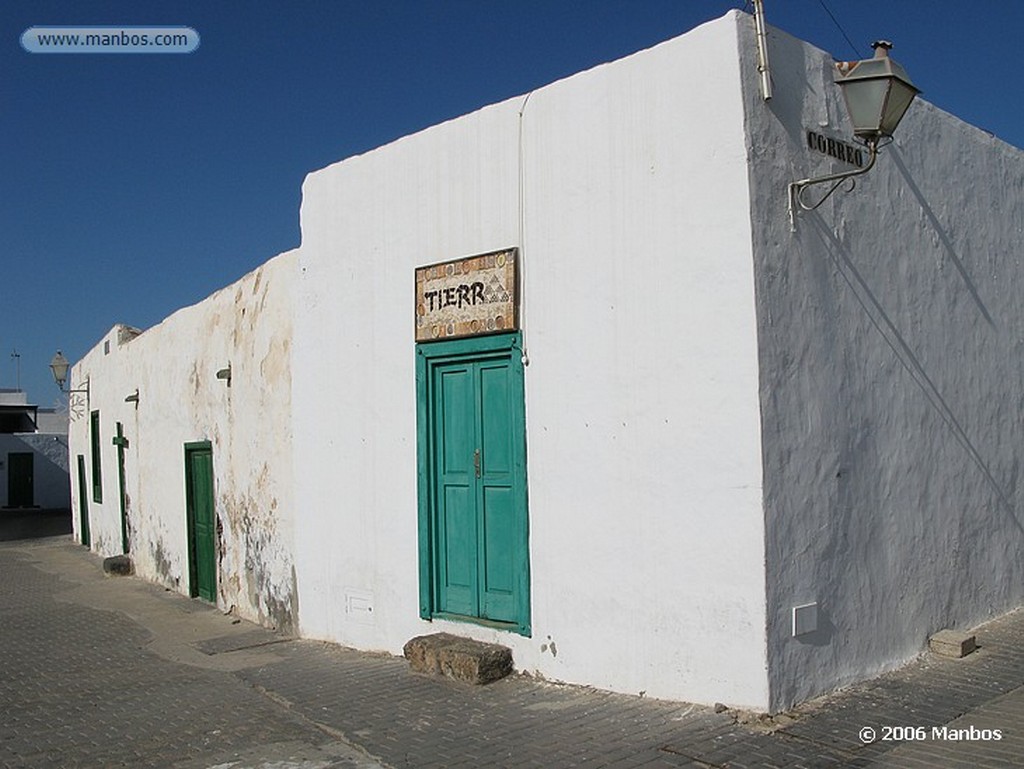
{"type": "Point", "coordinates": [944, 238]}
{"type": "Point", "coordinates": [808, 78]}
{"type": "Point", "coordinates": [822, 636]}
{"type": "Point", "coordinates": [45, 480]}
{"type": "Point", "coordinates": [904, 354]}
{"type": "Point", "coordinates": [52, 450]}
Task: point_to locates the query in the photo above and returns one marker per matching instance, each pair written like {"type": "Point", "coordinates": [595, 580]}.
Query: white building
{"type": "Point", "coordinates": [33, 455]}
{"type": "Point", "coordinates": [703, 418]}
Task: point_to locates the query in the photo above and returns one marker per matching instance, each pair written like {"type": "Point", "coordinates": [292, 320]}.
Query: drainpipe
{"type": "Point", "coordinates": [762, 50]}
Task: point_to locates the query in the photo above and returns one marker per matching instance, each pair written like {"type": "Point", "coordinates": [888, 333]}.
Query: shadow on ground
{"type": "Point", "coordinates": [33, 523]}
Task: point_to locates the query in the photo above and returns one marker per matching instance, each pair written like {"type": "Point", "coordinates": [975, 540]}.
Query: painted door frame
{"type": "Point", "coordinates": [429, 356]}
{"type": "Point", "coordinates": [84, 534]}
{"type": "Point", "coordinates": [95, 457]}
{"type": "Point", "coordinates": [194, 587]}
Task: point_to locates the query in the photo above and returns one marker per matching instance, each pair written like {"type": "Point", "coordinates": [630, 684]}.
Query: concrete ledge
{"type": "Point", "coordinates": [118, 565]}
{"type": "Point", "coordinates": [952, 643]}
{"type": "Point", "coordinates": [463, 659]}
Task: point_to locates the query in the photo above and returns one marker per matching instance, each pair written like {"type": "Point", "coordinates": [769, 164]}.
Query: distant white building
{"type": "Point", "coordinates": [33, 455]}
{"type": "Point", "coordinates": [560, 374]}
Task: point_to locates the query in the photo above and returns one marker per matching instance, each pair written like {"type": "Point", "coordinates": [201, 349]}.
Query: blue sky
{"type": "Point", "coordinates": [132, 185]}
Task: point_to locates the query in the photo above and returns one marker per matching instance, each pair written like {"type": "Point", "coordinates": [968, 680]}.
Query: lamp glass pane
{"type": "Point", "coordinates": [899, 101]}
{"type": "Point", "coordinates": [59, 366]}
{"type": "Point", "coordinates": [864, 101]}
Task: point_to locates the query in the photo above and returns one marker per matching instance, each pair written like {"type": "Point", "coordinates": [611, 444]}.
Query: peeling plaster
{"type": "Point", "coordinates": [266, 580]}
{"type": "Point", "coordinates": [174, 363]}
{"type": "Point", "coordinates": [161, 562]}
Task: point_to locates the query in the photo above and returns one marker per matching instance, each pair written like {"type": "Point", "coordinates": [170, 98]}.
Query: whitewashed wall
{"type": "Point", "coordinates": [720, 411]}
{"type": "Point", "coordinates": [49, 465]}
{"type": "Point", "coordinates": [173, 366]}
{"type": "Point", "coordinates": [892, 380]}
{"type": "Point", "coordinates": [625, 187]}
{"type": "Point", "coordinates": [102, 371]}
{"type": "Point", "coordinates": [49, 449]}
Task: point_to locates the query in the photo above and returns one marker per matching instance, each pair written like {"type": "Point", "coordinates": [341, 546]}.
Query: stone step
{"type": "Point", "coordinates": [463, 659]}
{"type": "Point", "coordinates": [118, 565]}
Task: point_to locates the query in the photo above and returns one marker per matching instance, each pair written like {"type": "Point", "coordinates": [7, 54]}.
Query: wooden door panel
{"type": "Point", "coordinates": [201, 522]}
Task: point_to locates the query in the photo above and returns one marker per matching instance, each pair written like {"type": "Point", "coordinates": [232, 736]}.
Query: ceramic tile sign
{"type": "Point", "coordinates": [466, 297]}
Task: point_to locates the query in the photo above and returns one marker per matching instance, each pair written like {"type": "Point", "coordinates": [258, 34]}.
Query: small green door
{"type": "Point", "coordinates": [20, 485]}
{"type": "Point", "coordinates": [202, 535]}
{"type": "Point", "coordinates": [83, 503]}
{"type": "Point", "coordinates": [475, 484]}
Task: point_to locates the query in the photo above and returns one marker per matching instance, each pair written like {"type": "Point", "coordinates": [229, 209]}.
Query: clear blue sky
{"type": "Point", "coordinates": [132, 185]}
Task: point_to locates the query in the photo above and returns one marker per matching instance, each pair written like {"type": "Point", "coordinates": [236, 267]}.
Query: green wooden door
{"type": "Point", "coordinates": [20, 484]}
{"type": "Point", "coordinates": [202, 533]}
{"type": "Point", "coordinates": [83, 503]}
{"type": "Point", "coordinates": [475, 482]}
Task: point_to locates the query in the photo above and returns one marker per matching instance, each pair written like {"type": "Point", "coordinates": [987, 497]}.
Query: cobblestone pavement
{"type": "Point", "coordinates": [99, 671]}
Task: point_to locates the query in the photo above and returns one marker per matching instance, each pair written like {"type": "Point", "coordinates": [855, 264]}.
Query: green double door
{"type": "Point", "coordinates": [202, 532]}
{"type": "Point", "coordinates": [474, 442]}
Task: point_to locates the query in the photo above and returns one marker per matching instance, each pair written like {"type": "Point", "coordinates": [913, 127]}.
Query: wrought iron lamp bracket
{"type": "Point", "coordinates": [798, 188]}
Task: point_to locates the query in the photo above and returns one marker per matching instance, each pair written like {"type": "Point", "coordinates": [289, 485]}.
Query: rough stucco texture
{"type": "Point", "coordinates": [892, 381]}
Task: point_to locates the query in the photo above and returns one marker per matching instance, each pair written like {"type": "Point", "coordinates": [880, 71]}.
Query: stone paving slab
{"type": "Point", "coordinates": [997, 729]}
{"type": "Point", "coordinates": [80, 688]}
{"type": "Point", "coordinates": [233, 643]}
{"type": "Point", "coordinates": [103, 672]}
{"type": "Point", "coordinates": [284, 755]}
{"type": "Point", "coordinates": [928, 694]}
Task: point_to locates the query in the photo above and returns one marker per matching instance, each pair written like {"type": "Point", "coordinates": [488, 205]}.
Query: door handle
{"type": "Point", "coordinates": [476, 462]}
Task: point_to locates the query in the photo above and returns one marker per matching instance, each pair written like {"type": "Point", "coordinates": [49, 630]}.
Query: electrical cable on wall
{"type": "Point", "coordinates": [522, 230]}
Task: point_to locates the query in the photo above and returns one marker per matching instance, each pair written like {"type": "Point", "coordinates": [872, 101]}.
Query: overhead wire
{"type": "Point", "coordinates": [839, 27]}
{"type": "Point", "coordinates": [748, 4]}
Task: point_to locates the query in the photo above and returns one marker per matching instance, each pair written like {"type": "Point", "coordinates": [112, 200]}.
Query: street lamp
{"type": "Point", "coordinates": [877, 93]}
{"type": "Point", "coordinates": [59, 366]}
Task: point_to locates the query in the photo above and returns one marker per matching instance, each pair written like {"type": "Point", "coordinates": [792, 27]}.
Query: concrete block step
{"type": "Point", "coordinates": [952, 643]}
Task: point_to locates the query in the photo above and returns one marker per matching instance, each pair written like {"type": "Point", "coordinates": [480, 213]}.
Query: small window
{"type": "Point", "coordinates": [97, 473]}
